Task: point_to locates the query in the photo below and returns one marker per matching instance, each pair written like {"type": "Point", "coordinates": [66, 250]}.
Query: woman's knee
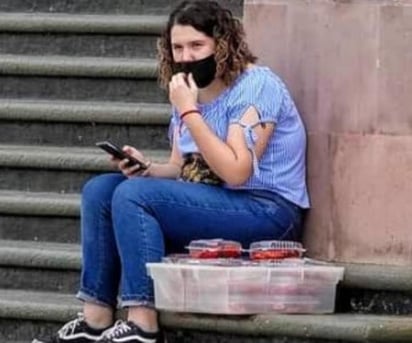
{"type": "Point", "coordinates": [139, 190]}
{"type": "Point", "coordinates": [101, 187]}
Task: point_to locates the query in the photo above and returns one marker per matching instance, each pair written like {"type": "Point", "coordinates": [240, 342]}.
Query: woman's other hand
{"type": "Point", "coordinates": [183, 92]}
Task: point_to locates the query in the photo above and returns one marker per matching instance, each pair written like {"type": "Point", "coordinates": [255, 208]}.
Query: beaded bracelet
{"type": "Point", "coordinates": [188, 112]}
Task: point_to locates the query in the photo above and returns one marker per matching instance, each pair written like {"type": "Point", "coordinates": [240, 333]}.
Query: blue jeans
{"type": "Point", "coordinates": [126, 223]}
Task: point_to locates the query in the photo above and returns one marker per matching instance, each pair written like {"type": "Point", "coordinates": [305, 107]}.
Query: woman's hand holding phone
{"type": "Point", "coordinates": [135, 169]}
{"type": "Point", "coordinates": [129, 160]}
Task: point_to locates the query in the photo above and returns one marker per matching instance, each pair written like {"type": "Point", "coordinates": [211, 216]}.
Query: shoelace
{"type": "Point", "coordinates": [69, 327]}
{"type": "Point", "coordinates": [119, 328]}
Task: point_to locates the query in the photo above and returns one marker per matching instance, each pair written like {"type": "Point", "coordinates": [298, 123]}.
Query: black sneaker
{"type": "Point", "coordinates": [129, 332]}
{"type": "Point", "coordinates": [75, 331]}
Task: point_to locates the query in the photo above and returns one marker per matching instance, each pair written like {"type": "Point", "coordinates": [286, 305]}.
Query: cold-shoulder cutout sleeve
{"type": "Point", "coordinates": [262, 92]}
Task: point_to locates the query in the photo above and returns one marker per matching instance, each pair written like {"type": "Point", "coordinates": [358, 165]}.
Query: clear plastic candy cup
{"type": "Point", "coordinates": [214, 248]}
{"type": "Point", "coordinates": [275, 250]}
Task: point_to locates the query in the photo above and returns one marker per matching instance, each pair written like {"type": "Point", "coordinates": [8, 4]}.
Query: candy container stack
{"type": "Point", "coordinates": [220, 277]}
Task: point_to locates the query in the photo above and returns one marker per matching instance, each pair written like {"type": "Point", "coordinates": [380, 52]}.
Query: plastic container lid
{"type": "Point", "coordinates": [187, 260]}
{"type": "Point", "coordinates": [214, 248]}
{"type": "Point", "coordinates": [275, 250]}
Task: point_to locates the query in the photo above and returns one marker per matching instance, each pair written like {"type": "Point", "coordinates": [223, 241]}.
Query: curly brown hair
{"type": "Point", "coordinates": [232, 52]}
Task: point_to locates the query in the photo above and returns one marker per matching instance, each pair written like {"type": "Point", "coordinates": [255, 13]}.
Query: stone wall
{"type": "Point", "coordinates": [348, 66]}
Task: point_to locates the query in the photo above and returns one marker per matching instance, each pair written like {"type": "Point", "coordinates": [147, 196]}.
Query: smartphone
{"type": "Point", "coordinates": [118, 153]}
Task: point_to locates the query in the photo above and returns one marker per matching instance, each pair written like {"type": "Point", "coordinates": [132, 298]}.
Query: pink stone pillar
{"type": "Point", "coordinates": [348, 65]}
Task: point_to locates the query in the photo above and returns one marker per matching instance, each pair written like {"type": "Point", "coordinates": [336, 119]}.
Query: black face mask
{"type": "Point", "coordinates": [203, 71]}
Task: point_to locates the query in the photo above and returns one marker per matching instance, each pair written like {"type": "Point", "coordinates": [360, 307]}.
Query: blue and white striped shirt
{"type": "Point", "coordinates": [282, 167]}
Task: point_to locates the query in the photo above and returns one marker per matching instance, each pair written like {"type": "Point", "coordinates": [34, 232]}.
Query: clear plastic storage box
{"type": "Point", "coordinates": [300, 288]}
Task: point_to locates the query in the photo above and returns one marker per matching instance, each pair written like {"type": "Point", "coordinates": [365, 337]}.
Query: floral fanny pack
{"type": "Point", "coordinates": [195, 169]}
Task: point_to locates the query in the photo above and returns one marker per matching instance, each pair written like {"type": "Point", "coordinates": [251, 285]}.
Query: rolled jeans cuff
{"type": "Point", "coordinates": [135, 303]}
{"type": "Point", "coordinates": [85, 297]}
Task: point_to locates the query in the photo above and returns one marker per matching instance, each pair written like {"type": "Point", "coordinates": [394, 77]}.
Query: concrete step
{"type": "Point", "coordinates": [104, 112]}
{"type": "Point", "coordinates": [103, 6]}
{"type": "Point", "coordinates": [69, 66]}
{"type": "Point", "coordinates": [369, 288]}
{"type": "Point", "coordinates": [54, 266]}
{"type": "Point", "coordinates": [40, 228]}
{"type": "Point", "coordinates": [39, 204]}
{"type": "Point", "coordinates": [81, 88]}
{"type": "Point", "coordinates": [44, 312]}
{"type": "Point", "coordinates": [42, 266]}
{"type": "Point", "coordinates": [46, 255]}
{"type": "Point", "coordinates": [25, 314]}
{"type": "Point", "coordinates": [82, 123]}
{"type": "Point", "coordinates": [80, 35]}
{"type": "Point", "coordinates": [336, 328]}
{"type": "Point", "coordinates": [80, 78]}
{"type": "Point", "coordinates": [52, 216]}
{"type": "Point", "coordinates": [82, 23]}
{"type": "Point", "coordinates": [62, 171]}
{"type": "Point", "coordinates": [59, 181]}
{"type": "Point", "coordinates": [44, 168]}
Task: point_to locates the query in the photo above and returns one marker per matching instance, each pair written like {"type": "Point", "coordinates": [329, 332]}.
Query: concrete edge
{"type": "Point", "coordinates": [85, 111]}
{"type": "Point", "coordinates": [345, 327]}
{"type": "Point", "coordinates": [39, 204]}
{"type": "Point", "coordinates": [40, 255]}
{"type": "Point", "coordinates": [63, 158]}
{"type": "Point", "coordinates": [377, 277]}
{"type": "Point", "coordinates": [60, 204]}
{"type": "Point", "coordinates": [82, 23]}
{"type": "Point", "coordinates": [39, 306]}
{"type": "Point", "coordinates": [91, 67]}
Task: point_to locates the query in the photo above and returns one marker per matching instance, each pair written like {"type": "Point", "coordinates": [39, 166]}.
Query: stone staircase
{"type": "Point", "coordinates": [76, 72]}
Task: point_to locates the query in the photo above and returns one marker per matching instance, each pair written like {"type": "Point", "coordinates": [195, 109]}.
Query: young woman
{"type": "Point", "coordinates": [236, 171]}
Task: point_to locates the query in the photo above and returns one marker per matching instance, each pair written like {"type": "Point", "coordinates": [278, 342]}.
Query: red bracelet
{"type": "Point", "coordinates": [188, 112]}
